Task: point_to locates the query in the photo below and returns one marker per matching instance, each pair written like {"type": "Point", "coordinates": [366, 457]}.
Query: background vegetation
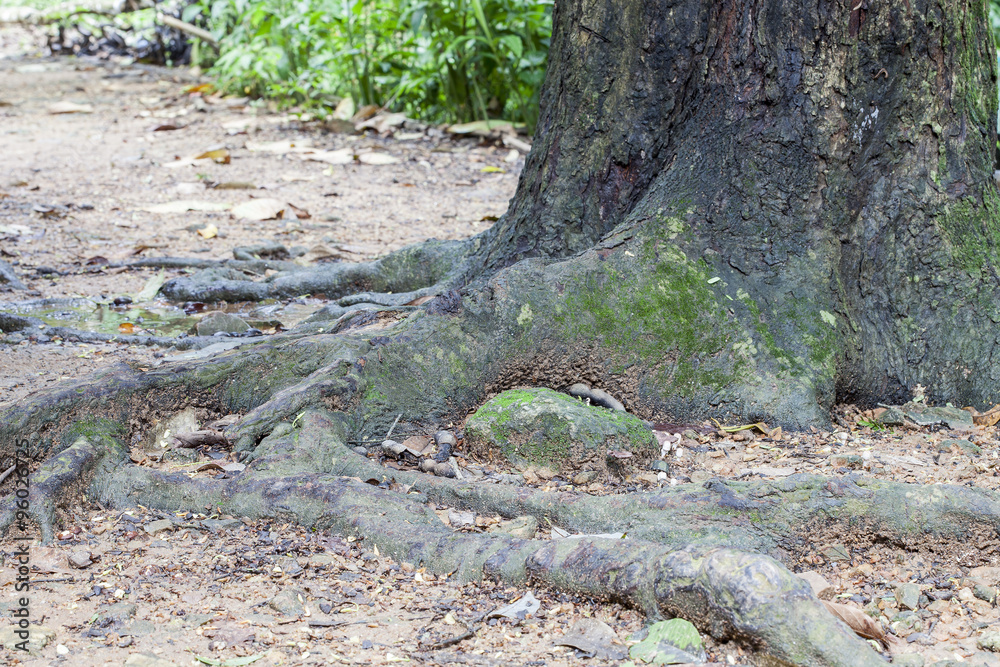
{"type": "Point", "coordinates": [438, 60]}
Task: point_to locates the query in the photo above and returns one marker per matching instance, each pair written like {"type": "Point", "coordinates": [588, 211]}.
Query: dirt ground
{"type": "Point", "coordinates": [148, 588]}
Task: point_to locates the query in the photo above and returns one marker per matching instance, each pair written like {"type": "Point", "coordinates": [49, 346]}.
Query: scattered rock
{"type": "Point", "coordinates": [427, 465]}
{"type": "Point", "coordinates": [594, 638]}
{"type": "Point", "coordinates": [155, 527]}
{"type": "Point", "coordinates": [820, 586]}
{"type": "Point", "coordinates": [908, 596]}
{"type": "Point", "coordinates": [852, 461]}
{"type": "Point", "coordinates": [289, 602]}
{"type": "Point", "coordinates": [459, 519]}
{"type": "Point", "coordinates": [38, 638]}
{"type": "Point", "coordinates": [218, 525]}
{"type": "Point", "coordinates": [80, 559]}
{"type": "Point", "coordinates": [908, 660]}
{"type": "Point", "coordinates": [925, 415]}
{"type": "Point", "coordinates": [542, 427]}
{"type": "Point", "coordinates": [115, 616]}
{"type": "Point", "coordinates": [444, 470]}
{"type": "Point", "coordinates": [363, 451]}
{"type": "Point", "coordinates": [523, 527]}
{"type": "Point", "coordinates": [987, 593]}
{"type": "Point", "coordinates": [219, 322]}
{"type": "Point", "coordinates": [989, 641]}
{"type": "Point", "coordinates": [585, 477]}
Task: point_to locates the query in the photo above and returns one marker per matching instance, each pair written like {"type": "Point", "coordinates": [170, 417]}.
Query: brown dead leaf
{"type": "Point", "coordinates": [260, 209]}
{"type": "Point", "coordinates": [988, 418]}
{"type": "Point", "coordinates": [857, 620]}
{"type": "Point", "coordinates": [217, 155]}
{"type": "Point", "coordinates": [417, 444]}
{"type": "Point", "coordinates": [209, 231]}
{"type": "Point", "coordinates": [126, 328]}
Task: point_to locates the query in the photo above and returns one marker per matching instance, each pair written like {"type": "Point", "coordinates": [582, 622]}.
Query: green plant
{"type": "Point", "coordinates": [441, 60]}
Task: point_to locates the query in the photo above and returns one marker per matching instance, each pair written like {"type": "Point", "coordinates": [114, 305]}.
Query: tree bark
{"type": "Point", "coordinates": [831, 163]}
{"type": "Point", "coordinates": [738, 210]}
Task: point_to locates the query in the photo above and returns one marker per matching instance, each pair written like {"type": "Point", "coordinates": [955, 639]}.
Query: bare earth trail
{"type": "Point", "coordinates": [74, 189]}
{"type": "Point", "coordinates": [96, 171]}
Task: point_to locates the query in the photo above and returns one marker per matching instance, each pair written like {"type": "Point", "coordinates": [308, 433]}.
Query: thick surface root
{"type": "Point", "coordinates": [709, 553]}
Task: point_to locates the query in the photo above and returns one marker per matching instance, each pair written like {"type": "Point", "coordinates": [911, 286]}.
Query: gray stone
{"type": "Point", "coordinates": [115, 616]}
{"type": "Point", "coordinates": [427, 465]}
{"type": "Point", "coordinates": [289, 566]}
{"type": "Point", "coordinates": [445, 438]}
{"type": "Point", "coordinates": [38, 638]}
{"type": "Point", "coordinates": [820, 586]}
{"type": "Point", "coordinates": [289, 602]}
{"type": "Point", "coordinates": [523, 527]}
{"type": "Point", "coordinates": [846, 461]}
{"type": "Point", "coordinates": [908, 595]}
{"type": "Point", "coordinates": [363, 451]}
{"type": "Point", "coordinates": [924, 415]}
{"type": "Point", "coordinates": [218, 525]}
{"type": "Point", "coordinates": [139, 628]}
{"type": "Point", "coordinates": [542, 427]}
{"type": "Point", "coordinates": [80, 559]}
{"type": "Point", "coordinates": [989, 641]}
{"type": "Point", "coordinates": [154, 527]}
{"type": "Point", "coordinates": [218, 322]}
{"type": "Point", "coordinates": [584, 478]}
{"type": "Point", "coordinates": [444, 470]}
{"type": "Point", "coordinates": [908, 660]}
{"type": "Point", "coordinates": [987, 593]}
{"type": "Point", "coordinates": [906, 623]}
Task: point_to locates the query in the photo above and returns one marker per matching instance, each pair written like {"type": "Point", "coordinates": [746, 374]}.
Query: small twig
{"type": "Point", "coordinates": [393, 427]}
{"type": "Point", "coordinates": [881, 72]}
{"type": "Point", "coordinates": [6, 473]}
{"type": "Point", "coordinates": [52, 581]}
{"type": "Point", "coordinates": [192, 30]}
{"type": "Point", "coordinates": [445, 643]}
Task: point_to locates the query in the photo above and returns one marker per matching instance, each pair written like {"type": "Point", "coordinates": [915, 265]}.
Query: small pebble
{"type": "Point", "coordinates": [428, 465]}
{"type": "Point", "coordinates": [444, 470]}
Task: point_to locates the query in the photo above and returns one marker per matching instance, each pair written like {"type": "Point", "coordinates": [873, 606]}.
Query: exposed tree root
{"type": "Point", "coordinates": [658, 338]}
{"type": "Point", "coordinates": [11, 323]}
{"type": "Point", "coordinates": [413, 268]}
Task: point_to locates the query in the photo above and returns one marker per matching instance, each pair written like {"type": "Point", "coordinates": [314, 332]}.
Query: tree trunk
{"type": "Point", "coordinates": [831, 163]}
{"type": "Point", "coordinates": [738, 210]}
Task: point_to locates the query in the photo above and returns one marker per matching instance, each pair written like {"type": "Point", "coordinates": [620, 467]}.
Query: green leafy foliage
{"type": "Point", "coordinates": [441, 60]}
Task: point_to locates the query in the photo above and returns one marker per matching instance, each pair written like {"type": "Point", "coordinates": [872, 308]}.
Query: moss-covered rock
{"type": "Point", "coordinates": [539, 426]}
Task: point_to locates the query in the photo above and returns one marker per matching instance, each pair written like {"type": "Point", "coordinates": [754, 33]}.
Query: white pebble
{"type": "Point", "coordinates": [679, 453]}
{"type": "Point", "coordinates": [661, 476]}
{"type": "Point", "coordinates": [62, 650]}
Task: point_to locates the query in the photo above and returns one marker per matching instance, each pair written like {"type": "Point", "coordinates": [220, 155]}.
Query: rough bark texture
{"type": "Point", "coordinates": [822, 159]}
{"type": "Point", "coordinates": [741, 210]}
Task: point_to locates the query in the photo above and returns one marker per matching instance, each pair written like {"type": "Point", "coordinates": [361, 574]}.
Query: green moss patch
{"type": "Point", "coordinates": [542, 427]}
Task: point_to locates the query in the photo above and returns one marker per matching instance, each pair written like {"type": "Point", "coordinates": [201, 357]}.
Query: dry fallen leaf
{"type": "Point", "coordinates": [217, 155]}
{"type": "Point", "coordinates": [377, 158]}
{"type": "Point", "coordinates": [126, 328]}
{"type": "Point", "coordinates": [209, 231]}
{"type": "Point", "coordinates": [260, 209]}
{"type": "Point", "coordinates": [280, 147]}
{"type": "Point", "coordinates": [341, 156]}
{"type": "Point", "coordinates": [857, 620]}
{"type": "Point", "coordinates": [69, 107]}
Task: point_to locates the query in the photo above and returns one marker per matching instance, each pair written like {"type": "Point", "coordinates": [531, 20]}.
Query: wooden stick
{"type": "Point", "coordinates": [184, 26]}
